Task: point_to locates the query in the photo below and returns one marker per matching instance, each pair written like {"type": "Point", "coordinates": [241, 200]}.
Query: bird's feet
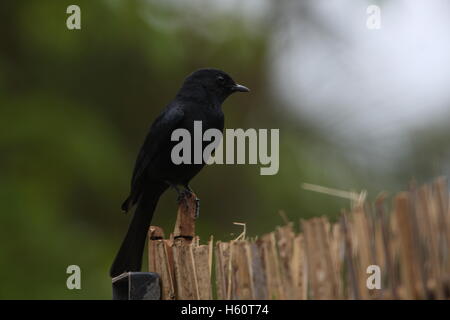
{"type": "Point", "coordinates": [197, 207]}
{"type": "Point", "coordinates": [183, 195]}
{"type": "Point", "coordinates": [187, 193]}
{"type": "Point", "coordinates": [197, 201]}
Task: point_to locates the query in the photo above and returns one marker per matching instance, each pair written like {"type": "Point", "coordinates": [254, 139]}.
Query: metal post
{"type": "Point", "coordinates": [136, 286]}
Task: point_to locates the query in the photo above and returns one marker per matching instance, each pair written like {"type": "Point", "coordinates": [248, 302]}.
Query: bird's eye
{"type": "Point", "coordinates": [220, 79]}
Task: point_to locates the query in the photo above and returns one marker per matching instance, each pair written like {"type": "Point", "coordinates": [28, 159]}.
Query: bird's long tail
{"type": "Point", "coordinates": [129, 257]}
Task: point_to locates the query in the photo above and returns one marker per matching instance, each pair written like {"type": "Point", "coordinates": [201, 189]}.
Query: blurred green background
{"type": "Point", "coordinates": [75, 107]}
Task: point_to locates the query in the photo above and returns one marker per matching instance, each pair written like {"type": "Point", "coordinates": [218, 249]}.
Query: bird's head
{"type": "Point", "coordinates": [214, 82]}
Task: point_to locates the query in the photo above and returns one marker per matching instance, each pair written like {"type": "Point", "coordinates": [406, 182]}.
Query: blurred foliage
{"type": "Point", "coordinates": [75, 107]}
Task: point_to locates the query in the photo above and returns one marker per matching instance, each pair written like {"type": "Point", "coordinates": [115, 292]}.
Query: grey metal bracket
{"type": "Point", "coordinates": [136, 286]}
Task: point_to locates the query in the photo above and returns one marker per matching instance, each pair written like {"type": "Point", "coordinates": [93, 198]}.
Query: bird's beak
{"type": "Point", "coordinates": [238, 87]}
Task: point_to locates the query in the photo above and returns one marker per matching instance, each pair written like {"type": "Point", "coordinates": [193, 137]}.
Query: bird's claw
{"type": "Point", "coordinates": [197, 208]}
{"type": "Point", "coordinates": [187, 194]}
{"type": "Point", "coordinates": [182, 197]}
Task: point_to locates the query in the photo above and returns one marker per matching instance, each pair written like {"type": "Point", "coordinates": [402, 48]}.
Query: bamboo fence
{"type": "Point", "coordinates": [406, 245]}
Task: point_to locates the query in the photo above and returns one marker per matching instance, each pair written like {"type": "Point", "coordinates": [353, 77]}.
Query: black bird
{"type": "Point", "coordinates": [200, 98]}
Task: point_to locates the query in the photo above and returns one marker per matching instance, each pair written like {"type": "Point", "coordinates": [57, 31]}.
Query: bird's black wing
{"type": "Point", "coordinates": [160, 132]}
